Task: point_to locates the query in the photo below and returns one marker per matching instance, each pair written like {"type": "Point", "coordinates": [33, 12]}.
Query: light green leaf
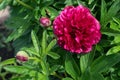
{"type": "Point", "coordinates": [53, 55]}
{"type": "Point", "coordinates": [8, 61]}
{"type": "Point", "coordinates": [30, 50]}
{"type": "Point", "coordinates": [90, 1]}
{"type": "Point", "coordinates": [104, 62]}
{"type": "Point", "coordinates": [44, 41]}
{"type": "Point", "coordinates": [51, 45]}
{"type": "Point", "coordinates": [113, 50]}
{"type": "Point", "coordinates": [16, 69]}
{"type": "Point", "coordinates": [35, 41]}
{"type": "Point", "coordinates": [69, 2]}
{"type": "Point", "coordinates": [84, 59]}
{"type": "Point", "coordinates": [52, 12]}
{"type": "Point", "coordinates": [71, 67]}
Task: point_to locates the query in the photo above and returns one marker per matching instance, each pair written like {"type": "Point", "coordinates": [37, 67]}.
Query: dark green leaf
{"type": "Point", "coordinates": [71, 67]}
{"type": "Point", "coordinates": [67, 78]}
{"type": "Point", "coordinates": [110, 32]}
{"type": "Point", "coordinates": [103, 63]}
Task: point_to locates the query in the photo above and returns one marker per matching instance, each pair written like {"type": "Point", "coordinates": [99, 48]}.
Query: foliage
{"type": "Point", "coordinates": [47, 61]}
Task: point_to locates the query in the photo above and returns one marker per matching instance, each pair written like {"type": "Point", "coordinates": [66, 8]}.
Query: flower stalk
{"type": "Point", "coordinates": [24, 4]}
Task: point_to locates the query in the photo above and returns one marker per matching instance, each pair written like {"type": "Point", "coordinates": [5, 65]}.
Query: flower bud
{"type": "Point", "coordinates": [22, 56]}
{"type": "Point", "coordinates": [45, 22]}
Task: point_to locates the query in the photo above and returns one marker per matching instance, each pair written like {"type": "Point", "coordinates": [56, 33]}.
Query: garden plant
{"type": "Point", "coordinates": [61, 39]}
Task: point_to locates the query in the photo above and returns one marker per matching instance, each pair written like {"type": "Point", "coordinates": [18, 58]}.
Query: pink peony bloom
{"type": "Point", "coordinates": [45, 22]}
{"type": "Point", "coordinates": [76, 29]}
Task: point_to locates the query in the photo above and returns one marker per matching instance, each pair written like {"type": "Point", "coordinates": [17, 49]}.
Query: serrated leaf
{"type": "Point", "coordinates": [113, 50]}
{"type": "Point", "coordinates": [104, 62]}
{"type": "Point", "coordinates": [51, 45]}
{"type": "Point", "coordinates": [35, 42]}
{"type": "Point", "coordinates": [53, 55]}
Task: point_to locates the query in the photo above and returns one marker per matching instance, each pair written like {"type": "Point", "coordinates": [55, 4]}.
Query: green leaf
{"type": "Point", "coordinates": [52, 12]}
{"type": "Point", "coordinates": [16, 69]}
{"type": "Point", "coordinates": [47, 3]}
{"type": "Point", "coordinates": [8, 61]}
{"type": "Point", "coordinates": [44, 41]}
{"type": "Point", "coordinates": [53, 55]}
{"type": "Point", "coordinates": [88, 75]}
{"type": "Point", "coordinates": [30, 50]}
{"type": "Point", "coordinates": [19, 29]}
{"type": "Point", "coordinates": [90, 1]}
{"type": "Point", "coordinates": [113, 10]}
{"type": "Point", "coordinates": [54, 68]}
{"type": "Point", "coordinates": [116, 40]}
{"type": "Point", "coordinates": [69, 2]}
{"type": "Point", "coordinates": [103, 12]}
{"type": "Point", "coordinates": [84, 59]}
{"type": "Point", "coordinates": [67, 78]}
{"type": "Point", "coordinates": [51, 45]}
{"type": "Point", "coordinates": [104, 62]}
{"type": "Point", "coordinates": [97, 76]}
{"type": "Point", "coordinates": [35, 42]}
{"type": "Point", "coordinates": [71, 67]}
{"type": "Point", "coordinates": [110, 32]}
{"type": "Point", "coordinates": [113, 50]}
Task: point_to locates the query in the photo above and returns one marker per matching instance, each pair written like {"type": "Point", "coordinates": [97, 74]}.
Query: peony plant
{"type": "Point", "coordinates": [63, 40]}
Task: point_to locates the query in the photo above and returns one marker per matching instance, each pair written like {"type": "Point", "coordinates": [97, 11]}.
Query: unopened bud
{"type": "Point", "coordinates": [22, 56]}
{"type": "Point", "coordinates": [45, 22]}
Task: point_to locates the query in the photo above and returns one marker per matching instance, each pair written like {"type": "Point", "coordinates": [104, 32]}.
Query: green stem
{"type": "Point", "coordinates": [56, 75]}
{"type": "Point", "coordinates": [1, 1]}
{"type": "Point", "coordinates": [24, 4]}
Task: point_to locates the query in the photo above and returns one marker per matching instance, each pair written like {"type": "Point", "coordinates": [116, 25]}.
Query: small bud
{"type": "Point", "coordinates": [4, 14]}
{"type": "Point", "coordinates": [22, 56]}
{"type": "Point", "coordinates": [45, 22]}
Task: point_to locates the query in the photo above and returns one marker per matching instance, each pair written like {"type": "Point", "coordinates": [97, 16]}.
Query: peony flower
{"type": "Point", "coordinates": [45, 22]}
{"type": "Point", "coordinates": [22, 56]}
{"type": "Point", "coordinates": [76, 29]}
